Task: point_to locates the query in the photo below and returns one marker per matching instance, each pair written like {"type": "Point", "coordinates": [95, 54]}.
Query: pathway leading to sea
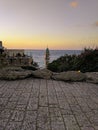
{"type": "Point", "coordinates": [38, 104]}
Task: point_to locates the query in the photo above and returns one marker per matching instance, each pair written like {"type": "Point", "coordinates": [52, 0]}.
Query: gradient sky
{"type": "Point", "coordinates": [60, 24]}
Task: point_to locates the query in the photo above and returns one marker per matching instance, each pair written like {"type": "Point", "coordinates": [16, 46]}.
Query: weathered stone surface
{"type": "Point", "coordinates": [17, 115]}
{"type": "Point", "coordinates": [69, 76]}
{"type": "Point", "coordinates": [92, 77]}
{"type": "Point", "coordinates": [42, 73]}
{"type": "Point", "coordinates": [13, 125]}
{"type": "Point", "coordinates": [12, 73]}
{"type": "Point", "coordinates": [48, 105]}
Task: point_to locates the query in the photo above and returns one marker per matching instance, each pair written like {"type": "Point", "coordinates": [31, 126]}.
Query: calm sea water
{"type": "Point", "coordinates": [39, 55]}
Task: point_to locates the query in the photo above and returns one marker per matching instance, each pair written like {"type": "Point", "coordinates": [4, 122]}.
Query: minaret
{"type": "Point", "coordinates": [47, 57]}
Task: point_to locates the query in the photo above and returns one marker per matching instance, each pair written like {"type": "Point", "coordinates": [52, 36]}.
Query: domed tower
{"type": "Point", "coordinates": [47, 56]}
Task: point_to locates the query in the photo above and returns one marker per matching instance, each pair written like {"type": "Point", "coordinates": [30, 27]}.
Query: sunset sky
{"type": "Point", "coordinates": [60, 24]}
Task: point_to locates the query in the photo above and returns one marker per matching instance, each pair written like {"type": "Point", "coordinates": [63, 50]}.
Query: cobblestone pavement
{"type": "Point", "coordinates": [38, 104]}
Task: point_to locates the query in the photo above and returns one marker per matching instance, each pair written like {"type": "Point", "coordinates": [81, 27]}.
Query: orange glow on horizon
{"type": "Point", "coordinates": [53, 41]}
{"type": "Point", "coordinates": [60, 24]}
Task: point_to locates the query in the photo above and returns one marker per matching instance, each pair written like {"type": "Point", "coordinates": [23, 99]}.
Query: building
{"type": "Point", "coordinates": [0, 44]}
{"type": "Point", "coordinates": [1, 48]}
{"type": "Point", "coordinates": [18, 58]}
{"type": "Point", "coordinates": [47, 57]}
{"type": "Point", "coordinates": [14, 57]}
{"type": "Point", "coordinates": [15, 52]}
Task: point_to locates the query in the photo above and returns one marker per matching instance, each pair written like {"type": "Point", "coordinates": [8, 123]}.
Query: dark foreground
{"type": "Point", "coordinates": [38, 104]}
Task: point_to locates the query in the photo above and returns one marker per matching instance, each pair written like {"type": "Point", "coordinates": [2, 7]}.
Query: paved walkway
{"type": "Point", "coordinates": [37, 104]}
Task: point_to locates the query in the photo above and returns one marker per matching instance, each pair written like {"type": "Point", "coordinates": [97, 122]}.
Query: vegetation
{"type": "Point", "coordinates": [87, 61]}
{"type": "Point", "coordinates": [2, 60]}
{"type": "Point", "coordinates": [33, 66]}
{"type": "Point", "coordinates": [29, 68]}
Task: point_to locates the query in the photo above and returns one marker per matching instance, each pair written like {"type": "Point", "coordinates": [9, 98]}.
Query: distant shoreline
{"type": "Point", "coordinates": [44, 49]}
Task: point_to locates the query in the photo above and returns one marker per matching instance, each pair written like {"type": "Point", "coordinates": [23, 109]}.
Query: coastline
{"type": "Point", "coordinates": [39, 55]}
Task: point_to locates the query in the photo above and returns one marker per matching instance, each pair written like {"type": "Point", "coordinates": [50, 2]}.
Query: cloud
{"type": "Point", "coordinates": [96, 24]}
{"type": "Point", "coordinates": [73, 4]}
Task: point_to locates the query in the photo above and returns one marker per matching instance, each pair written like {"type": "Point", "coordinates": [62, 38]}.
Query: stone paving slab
{"type": "Point", "coordinates": [38, 104]}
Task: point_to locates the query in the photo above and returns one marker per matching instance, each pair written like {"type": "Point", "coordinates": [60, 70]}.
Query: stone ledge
{"type": "Point", "coordinates": [13, 73]}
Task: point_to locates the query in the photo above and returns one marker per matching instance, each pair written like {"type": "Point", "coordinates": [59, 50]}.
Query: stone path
{"type": "Point", "coordinates": [38, 104]}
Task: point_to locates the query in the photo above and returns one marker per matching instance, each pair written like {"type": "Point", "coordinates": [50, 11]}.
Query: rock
{"type": "Point", "coordinates": [42, 73]}
{"type": "Point", "coordinates": [12, 68]}
{"type": "Point", "coordinates": [29, 68]}
{"type": "Point", "coordinates": [13, 73]}
{"type": "Point", "coordinates": [92, 77]}
{"type": "Point", "coordinates": [69, 76]}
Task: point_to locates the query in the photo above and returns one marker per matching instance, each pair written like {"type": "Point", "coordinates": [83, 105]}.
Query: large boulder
{"type": "Point", "coordinates": [13, 73]}
{"type": "Point", "coordinates": [69, 76]}
{"type": "Point", "coordinates": [92, 77]}
{"type": "Point", "coordinates": [42, 73]}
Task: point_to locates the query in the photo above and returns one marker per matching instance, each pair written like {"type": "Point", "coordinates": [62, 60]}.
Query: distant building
{"type": "Point", "coordinates": [0, 44]}
{"type": "Point", "coordinates": [15, 52]}
{"type": "Point", "coordinates": [17, 57]}
{"type": "Point", "coordinates": [1, 48]}
{"type": "Point", "coordinates": [14, 57]}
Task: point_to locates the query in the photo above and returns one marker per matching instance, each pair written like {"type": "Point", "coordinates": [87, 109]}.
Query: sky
{"type": "Point", "coordinates": [58, 24]}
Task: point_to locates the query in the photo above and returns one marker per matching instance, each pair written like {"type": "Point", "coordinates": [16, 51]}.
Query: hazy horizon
{"type": "Point", "coordinates": [60, 24]}
{"type": "Point", "coordinates": [45, 49]}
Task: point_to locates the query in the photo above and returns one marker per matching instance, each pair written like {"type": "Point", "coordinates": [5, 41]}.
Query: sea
{"type": "Point", "coordinates": [39, 55]}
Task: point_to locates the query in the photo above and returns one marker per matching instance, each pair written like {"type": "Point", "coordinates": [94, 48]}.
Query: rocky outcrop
{"type": "Point", "coordinates": [13, 73]}
{"type": "Point", "coordinates": [92, 77]}
{"type": "Point", "coordinates": [69, 76]}
{"type": "Point", "coordinates": [42, 73]}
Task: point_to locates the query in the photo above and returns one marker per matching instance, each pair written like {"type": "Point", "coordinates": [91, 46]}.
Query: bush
{"type": "Point", "coordinates": [29, 68]}
{"type": "Point", "coordinates": [87, 61]}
